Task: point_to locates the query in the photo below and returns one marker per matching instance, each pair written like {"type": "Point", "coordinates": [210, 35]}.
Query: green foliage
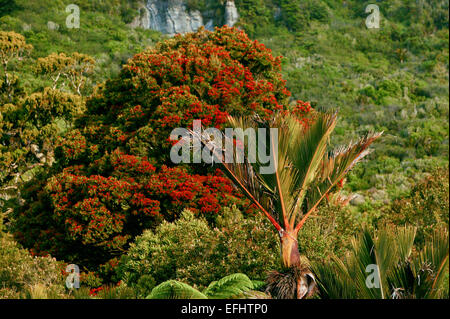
{"type": "Point", "coordinates": [193, 252]}
{"type": "Point", "coordinates": [72, 71]}
{"type": "Point", "coordinates": [28, 132]}
{"type": "Point", "coordinates": [228, 287]}
{"type": "Point", "coordinates": [296, 15]}
{"type": "Point", "coordinates": [305, 173]}
{"type": "Point", "coordinates": [336, 45]}
{"type": "Point", "coordinates": [199, 5]}
{"type": "Point", "coordinates": [24, 276]}
{"type": "Point", "coordinates": [120, 147]}
{"type": "Point", "coordinates": [173, 289]}
{"type": "Point", "coordinates": [102, 23]}
{"type": "Point", "coordinates": [426, 207]}
{"type": "Point", "coordinates": [402, 272]}
{"type": "Point", "coordinates": [372, 88]}
{"type": "Point", "coordinates": [13, 48]}
{"type": "Point", "coordinates": [329, 230]}
{"type": "Point", "coordinates": [393, 79]}
{"type": "Point", "coordinates": [114, 292]}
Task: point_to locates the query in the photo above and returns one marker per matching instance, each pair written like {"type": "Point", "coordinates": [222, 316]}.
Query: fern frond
{"type": "Point", "coordinates": [173, 289]}
{"type": "Point", "coordinates": [229, 287]}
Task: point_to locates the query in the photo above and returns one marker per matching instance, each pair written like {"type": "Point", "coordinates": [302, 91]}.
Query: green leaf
{"type": "Point", "coordinates": [173, 289]}
{"type": "Point", "coordinates": [229, 287]}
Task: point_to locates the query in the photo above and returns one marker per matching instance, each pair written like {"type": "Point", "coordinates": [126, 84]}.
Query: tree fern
{"type": "Point", "coordinates": [229, 287]}
{"type": "Point", "coordinates": [173, 289]}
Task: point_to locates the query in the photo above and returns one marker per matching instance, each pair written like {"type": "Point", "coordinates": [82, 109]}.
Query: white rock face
{"type": "Point", "coordinates": [172, 16]}
{"type": "Point", "coordinates": [231, 13]}
{"type": "Point", "coordinates": [143, 20]}
{"type": "Point", "coordinates": [52, 25]}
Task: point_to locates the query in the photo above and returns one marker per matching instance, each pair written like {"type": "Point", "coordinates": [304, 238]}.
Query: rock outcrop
{"type": "Point", "coordinates": [174, 16]}
{"type": "Point", "coordinates": [231, 14]}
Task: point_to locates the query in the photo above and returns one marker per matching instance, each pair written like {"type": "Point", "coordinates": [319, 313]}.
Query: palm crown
{"type": "Point", "coordinates": [303, 174]}
{"type": "Point", "coordinates": [305, 171]}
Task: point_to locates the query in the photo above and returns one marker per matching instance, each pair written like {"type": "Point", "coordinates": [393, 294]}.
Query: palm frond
{"type": "Point", "coordinates": [303, 168]}
{"type": "Point", "coordinates": [239, 169]}
{"type": "Point", "coordinates": [398, 273]}
{"type": "Point", "coordinates": [333, 169]}
{"type": "Point", "coordinates": [334, 281]}
{"type": "Point", "coordinates": [432, 263]}
{"type": "Point", "coordinates": [307, 150]}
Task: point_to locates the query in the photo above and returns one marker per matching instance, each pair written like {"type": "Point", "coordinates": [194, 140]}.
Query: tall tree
{"type": "Point", "coordinates": [72, 70]}
{"type": "Point", "coordinates": [12, 47]}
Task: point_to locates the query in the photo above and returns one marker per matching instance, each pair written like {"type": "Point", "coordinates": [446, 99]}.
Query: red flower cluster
{"type": "Point", "coordinates": [206, 76]}
{"type": "Point", "coordinates": [73, 145]}
{"type": "Point", "coordinates": [204, 194]}
{"type": "Point", "coordinates": [303, 112]}
{"type": "Point", "coordinates": [94, 291]}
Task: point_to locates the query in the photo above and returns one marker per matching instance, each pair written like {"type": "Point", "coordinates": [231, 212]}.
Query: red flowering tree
{"type": "Point", "coordinates": [113, 176]}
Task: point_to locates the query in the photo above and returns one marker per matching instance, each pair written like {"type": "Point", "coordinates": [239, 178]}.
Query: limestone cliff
{"type": "Point", "coordinates": [175, 16]}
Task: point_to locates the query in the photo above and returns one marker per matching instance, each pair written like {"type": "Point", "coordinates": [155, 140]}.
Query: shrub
{"type": "Point", "coordinates": [229, 287]}
{"type": "Point", "coordinates": [25, 276]}
{"type": "Point", "coordinates": [426, 207]}
{"type": "Point", "coordinates": [191, 251]}
{"type": "Point", "coordinates": [100, 215]}
{"type": "Point", "coordinates": [328, 231]}
{"type": "Point", "coordinates": [296, 15]}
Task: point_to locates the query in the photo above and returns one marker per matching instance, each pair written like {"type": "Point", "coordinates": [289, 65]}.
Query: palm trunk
{"type": "Point", "coordinates": [290, 255]}
{"type": "Point", "coordinates": [295, 281]}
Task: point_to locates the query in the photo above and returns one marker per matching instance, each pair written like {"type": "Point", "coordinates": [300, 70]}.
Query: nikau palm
{"type": "Point", "coordinates": [305, 173]}
{"type": "Point", "coordinates": [402, 270]}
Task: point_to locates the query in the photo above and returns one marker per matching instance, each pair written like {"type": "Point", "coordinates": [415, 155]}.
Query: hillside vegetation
{"type": "Point", "coordinates": [85, 114]}
{"type": "Point", "coordinates": [393, 79]}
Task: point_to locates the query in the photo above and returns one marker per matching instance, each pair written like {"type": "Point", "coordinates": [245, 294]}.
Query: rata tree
{"type": "Point", "coordinates": [304, 174]}
{"type": "Point", "coordinates": [112, 176]}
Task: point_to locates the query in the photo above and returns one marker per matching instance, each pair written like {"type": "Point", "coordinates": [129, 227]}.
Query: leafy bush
{"type": "Point", "coordinates": [426, 207]}
{"type": "Point", "coordinates": [25, 276]}
{"type": "Point", "coordinates": [100, 215]}
{"type": "Point", "coordinates": [191, 251]}
{"type": "Point", "coordinates": [296, 15]}
{"type": "Point", "coordinates": [329, 230]}
{"type": "Point", "coordinates": [28, 133]}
